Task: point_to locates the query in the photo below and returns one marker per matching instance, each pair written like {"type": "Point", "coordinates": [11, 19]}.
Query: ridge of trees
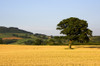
{"type": "Point", "coordinates": [12, 30]}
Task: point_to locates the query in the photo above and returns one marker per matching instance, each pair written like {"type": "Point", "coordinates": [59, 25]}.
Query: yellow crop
{"type": "Point", "coordinates": [22, 55]}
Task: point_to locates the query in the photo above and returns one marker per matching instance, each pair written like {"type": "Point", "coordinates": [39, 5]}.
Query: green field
{"type": "Point", "coordinates": [22, 55]}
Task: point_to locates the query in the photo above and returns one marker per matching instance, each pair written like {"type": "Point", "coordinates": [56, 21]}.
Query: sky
{"type": "Point", "coordinates": [42, 16]}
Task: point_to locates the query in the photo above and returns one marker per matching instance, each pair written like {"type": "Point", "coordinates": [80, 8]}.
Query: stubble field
{"type": "Point", "coordinates": [22, 55]}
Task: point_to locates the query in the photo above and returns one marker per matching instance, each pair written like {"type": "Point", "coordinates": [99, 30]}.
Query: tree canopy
{"type": "Point", "coordinates": [75, 29]}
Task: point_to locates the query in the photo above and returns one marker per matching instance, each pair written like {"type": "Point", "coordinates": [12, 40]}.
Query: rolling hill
{"type": "Point", "coordinates": [13, 35]}
{"type": "Point", "coordinates": [9, 34]}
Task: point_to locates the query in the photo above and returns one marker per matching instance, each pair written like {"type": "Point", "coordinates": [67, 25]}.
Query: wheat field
{"type": "Point", "coordinates": [22, 55]}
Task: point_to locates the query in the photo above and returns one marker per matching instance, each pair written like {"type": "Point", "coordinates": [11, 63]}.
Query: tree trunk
{"type": "Point", "coordinates": [70, 43]}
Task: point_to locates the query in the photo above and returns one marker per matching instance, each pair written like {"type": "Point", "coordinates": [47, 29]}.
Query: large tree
{"type": "Point", "coordinates": [75, 29]}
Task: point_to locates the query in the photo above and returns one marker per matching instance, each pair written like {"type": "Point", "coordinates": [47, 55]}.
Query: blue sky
{"type": "Point", "coordinates": [42, 16]}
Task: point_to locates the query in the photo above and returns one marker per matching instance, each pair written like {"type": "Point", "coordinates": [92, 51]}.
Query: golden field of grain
{"type": "Point", "coordinates": [22, 55]}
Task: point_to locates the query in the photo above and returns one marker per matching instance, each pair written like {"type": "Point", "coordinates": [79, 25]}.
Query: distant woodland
{"type": "Point", "coordinates": [13, 35]}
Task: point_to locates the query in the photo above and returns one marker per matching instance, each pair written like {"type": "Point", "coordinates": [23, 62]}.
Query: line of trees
{"type": "Point", "coordinates": [51, 41]}
{"type": "Point", "coordinates": [44, 42]}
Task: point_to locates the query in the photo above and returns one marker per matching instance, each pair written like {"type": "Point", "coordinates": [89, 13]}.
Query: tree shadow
{"type": "Point", "coordinates": [92, 47]}
{"type": "Point", "coordinates": [89, 46]}
{"type": "Point", "coordinates": [69, 49]}
{"type": "Point", "coordinates": [98, 47]}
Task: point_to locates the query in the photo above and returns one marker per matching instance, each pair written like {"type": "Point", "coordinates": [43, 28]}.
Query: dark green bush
{"type": "Point", "coordinates": [29, 42]}
{"type": "Point", "coordinates": [9, 41]}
